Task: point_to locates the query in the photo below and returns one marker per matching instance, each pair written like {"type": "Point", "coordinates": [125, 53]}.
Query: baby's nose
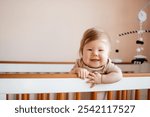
{"type": "Point", "coordinates": [95, 52]}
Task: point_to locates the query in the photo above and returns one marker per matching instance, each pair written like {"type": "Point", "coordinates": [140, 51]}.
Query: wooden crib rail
{"type": "Point", "coordinates": [24, 76]}
{"type": "Point", "coordinates": [59, 75]}
{"type": "Point", "coordinates": [38, 75]}
{"type": "Point", "coordinates": [64, 82]}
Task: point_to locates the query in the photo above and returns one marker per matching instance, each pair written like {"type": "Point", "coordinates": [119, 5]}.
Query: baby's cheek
{"type": "Point", "coordinates": [104, 60]}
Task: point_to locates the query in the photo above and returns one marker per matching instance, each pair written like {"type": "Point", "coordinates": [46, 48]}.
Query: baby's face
{"type": "Point", "coordinates": [96, 53]}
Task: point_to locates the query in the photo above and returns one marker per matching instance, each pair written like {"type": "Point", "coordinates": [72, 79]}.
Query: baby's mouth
{"type": "Point", "coordinates": [94, 60]}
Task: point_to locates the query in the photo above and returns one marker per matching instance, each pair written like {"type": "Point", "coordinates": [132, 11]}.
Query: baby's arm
{"type": "Point", "coordinates": [114, 75]}
{"type": "Point", "coordinates": [81, 72]}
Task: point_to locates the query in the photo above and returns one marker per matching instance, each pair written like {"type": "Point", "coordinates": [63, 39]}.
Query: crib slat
{"type": "Point", "coordinates": [78, 96]}
{"type": "Point", "coordinates": [17, 96]}
{"type": "Point", "coordinates": [25, 96]}
{"type": "Point", "coordinates": [38, 96]}
{"type": "Point", "coordinates": [148, 94]}
{"type": "Point", "coordinates": [93, 95]}
{"type": "Point", "coordinates": [137, 94]}
{"type": "Point", "coordinates": [109, 95]}
{"type": "Point", "coordinates": [124, 95]}
{"type": "Point", "coordinates": [60, 96]}
{"type": "Point", "coordinates": [45, 96]}
{"type": "Point", "coordinates": [118, 95]}
{"type": "Point", "coordinates": [7, 96]}
{"type": "Point", "coordinates": [127, 94]}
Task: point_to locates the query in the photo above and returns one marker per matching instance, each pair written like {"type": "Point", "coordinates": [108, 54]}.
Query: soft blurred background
{"type": "Point", "coordinates": [51, 30]}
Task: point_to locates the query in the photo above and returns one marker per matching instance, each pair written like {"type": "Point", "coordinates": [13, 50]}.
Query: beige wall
{"type": "Point", "coordinates": [51, 30]}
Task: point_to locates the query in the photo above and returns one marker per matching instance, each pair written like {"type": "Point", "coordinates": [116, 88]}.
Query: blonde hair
{"type": "Point", "coordinates": [93, 34]}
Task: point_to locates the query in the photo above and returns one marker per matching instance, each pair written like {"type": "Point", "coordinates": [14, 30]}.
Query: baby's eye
{"type": "Point", "coordinates": [89, 49]}
{"type": "Point", "coordinates": [100, 50]}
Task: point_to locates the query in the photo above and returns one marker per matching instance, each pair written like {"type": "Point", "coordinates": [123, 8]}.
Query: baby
{"type": "Point", "coordinates": [94, 63]}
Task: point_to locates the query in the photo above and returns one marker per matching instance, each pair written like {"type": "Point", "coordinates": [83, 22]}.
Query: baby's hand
{"type": "Point", "coordinates": [94, 78]}
{"type": "Point", "coordinates": [82, 73]}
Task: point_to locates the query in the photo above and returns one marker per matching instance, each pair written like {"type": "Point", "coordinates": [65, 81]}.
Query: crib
{"type": "Point", "coordinates": [52, 81]}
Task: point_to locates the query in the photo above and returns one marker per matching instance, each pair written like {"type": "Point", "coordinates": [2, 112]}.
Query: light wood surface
{"type": "Point", "coordinates": [60, 75]}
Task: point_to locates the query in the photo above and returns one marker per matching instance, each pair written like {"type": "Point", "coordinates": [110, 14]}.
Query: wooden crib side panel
{"type": "Point", "coordinates": [51, 84]}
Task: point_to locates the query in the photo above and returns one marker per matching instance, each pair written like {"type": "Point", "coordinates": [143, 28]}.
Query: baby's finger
{"type": "Point", "coordinates": [78, 74]}
{"type": "Point", "coordinates": [92, 74]}
{"type": "Point", "coordinates": [84, 74]}
{"type": "Point", "coordinates": [81, 74]}
{"type": "Point", "coordinates": [92, 85]}
{"type": "Point", "coordinates": [90, 81]}
{"type": "Point", "coordinates": [90, 77]}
